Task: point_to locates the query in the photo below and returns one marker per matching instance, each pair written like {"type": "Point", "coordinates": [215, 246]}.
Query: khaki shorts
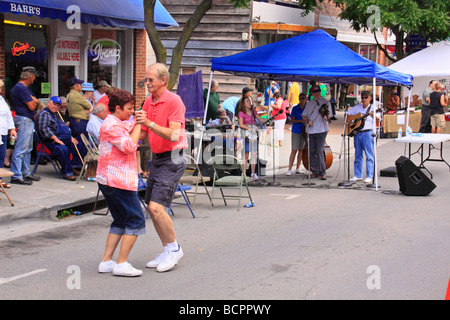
{"type": "Point", "coordinates": [298, 141]}
{"type": "Point", "coordinates": [437, 121]}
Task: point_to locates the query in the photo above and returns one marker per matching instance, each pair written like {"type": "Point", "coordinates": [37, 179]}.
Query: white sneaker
{"type": "Point", "coordinates": [106, 266]}
{"type": "Point", "coordinates": [154, 263]}
{"type": "Point", "coordinates": [354, 179]}
{"type": "Point", "coordinates": [368, 180]}
{"type": "Point", "coordinates": [254, 177]}
{"type": "Point", "coordinates": [288, 173]}
{"type": "Point", "coordinates": [299, 171]}
{"type": "Point", "coordinates": [170, 260]}
{"type": "Point", "coordinates": [125, 269]}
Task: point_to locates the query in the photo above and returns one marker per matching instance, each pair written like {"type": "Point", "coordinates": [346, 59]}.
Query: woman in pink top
{"type": "Point", "coordinates": [117, 179]}
{"type": "Point", "coordinates": [247, 119]}
{"type": "Point", "coordinates": [280, 120]}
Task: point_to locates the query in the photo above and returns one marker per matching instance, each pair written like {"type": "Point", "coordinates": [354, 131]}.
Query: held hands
{"type": "Point", "coordinates": [141, 117]}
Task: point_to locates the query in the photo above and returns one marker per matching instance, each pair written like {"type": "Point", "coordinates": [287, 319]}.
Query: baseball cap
{"type": "Point", "coordinates": [246, 89]}
{"type": "Point", "coordinates": [103, 83]}
{"type": "Point", "coordinates": [87, 86]}
{"type": "Point", "coordinates": [56, 99]}
{"type": "Point", "coordinates": [74, 81]}
{"type": "Point", "coordinates": [315, 88]}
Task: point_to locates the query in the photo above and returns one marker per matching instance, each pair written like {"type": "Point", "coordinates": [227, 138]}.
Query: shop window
{"type": "Point", "coordinates": [104, 56]}
{"type": "Point", "coordinates": [26, 45]}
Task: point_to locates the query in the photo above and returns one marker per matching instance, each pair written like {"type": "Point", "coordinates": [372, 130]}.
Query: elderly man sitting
{"type": "Point", "coordinates": [99, 113]}
{"type": "Point", "coordinates": [56, 136]}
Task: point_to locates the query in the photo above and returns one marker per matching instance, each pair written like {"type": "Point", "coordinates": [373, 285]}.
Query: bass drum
{"type": "Point", "coordinates": [327, 153]}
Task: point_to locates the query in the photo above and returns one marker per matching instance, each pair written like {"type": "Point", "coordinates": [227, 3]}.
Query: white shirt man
{"type": "Point", "coordinates": [99, 113]}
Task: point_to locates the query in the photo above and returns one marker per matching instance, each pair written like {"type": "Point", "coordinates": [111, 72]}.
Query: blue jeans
{"type": "Point", "coordinates": [125, 209]}
{"type": "Point", "coordinates": [62, 153]}
{"type": "Point", "coordinates": [363, 142]}
{"type": "Point", "coordinates": [3, 152]}
{"type": "Point", "coordinates": [20, 159]}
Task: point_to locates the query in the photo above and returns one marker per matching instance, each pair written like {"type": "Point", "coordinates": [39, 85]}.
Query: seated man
{"type": "Point", "coordinates": [99, 113]}
{"type": "Point", "coordinates": [56, 136]}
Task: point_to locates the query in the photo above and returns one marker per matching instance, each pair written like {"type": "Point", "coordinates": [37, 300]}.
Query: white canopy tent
{"type": "Point", "coordinates": [432, 63]}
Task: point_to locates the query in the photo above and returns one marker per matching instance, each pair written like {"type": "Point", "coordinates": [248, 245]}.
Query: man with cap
{"type": "Point", "coordinates": [317, 130]}
{"type": "Point", "coordinates": [102, 86]}
{"type": "Point", "coordinates": [57, 137]}
{"type": "Point", "coordinates": [79, 112]}
{"type": "Point", "coordinates": [25, 105]}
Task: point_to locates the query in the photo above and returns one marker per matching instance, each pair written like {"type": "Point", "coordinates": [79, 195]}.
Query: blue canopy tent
{"type": "Point", "coordinates": [112, 13]}
{"type": "Point", "coordinates": [311, 56]}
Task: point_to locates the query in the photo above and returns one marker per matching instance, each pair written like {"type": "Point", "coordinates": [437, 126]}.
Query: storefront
{"type": "Point", "coordinates": [92, 41]}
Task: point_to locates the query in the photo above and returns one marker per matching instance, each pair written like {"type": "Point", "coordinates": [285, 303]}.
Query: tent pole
{"type": "Point", "coordinates": [374, 132]}
{"type": "Point", "coordinates": [204, 119]}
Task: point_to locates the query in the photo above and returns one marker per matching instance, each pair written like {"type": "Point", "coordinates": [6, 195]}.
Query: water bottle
{"type": "Point", "coordinates": [399, 132]}
{"type": "Point", "coordinates": [12, 140]}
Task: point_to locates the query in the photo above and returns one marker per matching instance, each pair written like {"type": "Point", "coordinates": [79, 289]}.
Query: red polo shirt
{"type": "Point", "coordinates": [169, 108]}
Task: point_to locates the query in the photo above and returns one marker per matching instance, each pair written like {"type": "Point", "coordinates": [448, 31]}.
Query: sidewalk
{"type": "Point", "coordinates": [44, 198]}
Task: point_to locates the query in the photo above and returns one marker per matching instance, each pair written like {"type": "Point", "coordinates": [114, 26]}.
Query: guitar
{"type": "Point", "coordinates": [355, 123]}
{"type": "Point", "coordinates": [252, 132]}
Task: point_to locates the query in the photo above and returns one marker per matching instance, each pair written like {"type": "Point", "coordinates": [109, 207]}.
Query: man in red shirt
{"type": "Point", "coordinates": [163, 119]}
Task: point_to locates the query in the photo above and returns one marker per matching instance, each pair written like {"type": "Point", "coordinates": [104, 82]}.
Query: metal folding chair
{"type": "Point", "coordinates": [6, 173]}
{"type": "Point", "coordinates": [182, 188]}
{"type": "Point", "coordinates": [190, 178]}
{"type": "Point", "coordinates": [43, 152]}
{"type": "Point", "coordinates": [229, 174]}
{"type": "Point", "coordinates": [91, 156]}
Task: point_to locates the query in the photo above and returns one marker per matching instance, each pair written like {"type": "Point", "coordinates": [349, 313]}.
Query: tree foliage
{"type": "Point", "coordinates": [429, 19]}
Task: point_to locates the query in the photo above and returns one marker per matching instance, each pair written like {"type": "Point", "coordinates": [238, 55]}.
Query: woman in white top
{"type": "Point", "coordinates": [6, 124]}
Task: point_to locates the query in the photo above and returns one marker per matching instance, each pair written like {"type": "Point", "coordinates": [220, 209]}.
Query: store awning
{"type": "Point", "coordinates": [112, 13]}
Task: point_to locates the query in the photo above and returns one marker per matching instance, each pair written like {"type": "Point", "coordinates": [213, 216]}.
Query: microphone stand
{"type": "Point", "coordinates": [346, 183]}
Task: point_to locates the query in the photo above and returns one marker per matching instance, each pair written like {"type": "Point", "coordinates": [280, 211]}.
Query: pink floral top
{"type": "Point", "coordinates": [117, 166]}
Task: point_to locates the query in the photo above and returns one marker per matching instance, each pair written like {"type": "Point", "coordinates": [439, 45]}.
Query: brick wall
{"type": "Point", "coordinates": [140, 44]}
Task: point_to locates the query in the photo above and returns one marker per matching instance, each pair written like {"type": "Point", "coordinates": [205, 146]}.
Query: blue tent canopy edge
{"type": "Point", "coordinates": [311, 56]}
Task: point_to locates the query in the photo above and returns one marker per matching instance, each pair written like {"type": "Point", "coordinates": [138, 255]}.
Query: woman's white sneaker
{"type": "Point", "coordinates": [170, 260]}
{"type": "Point", "coordinates": [154, 263]}
{"type": "Point", "coordinates": [107, 266]}
{"type": "Point", "coordinates": [125, 269]}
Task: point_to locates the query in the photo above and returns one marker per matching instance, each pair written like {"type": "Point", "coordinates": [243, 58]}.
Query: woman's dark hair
{"type": "Point", "coordinates": [119, 98]}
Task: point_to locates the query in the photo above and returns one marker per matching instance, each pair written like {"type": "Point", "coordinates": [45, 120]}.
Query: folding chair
{"type": "Point", "coordinates": [42, 151]}
{"type": "Point", "coordinates": [91, 156]}
{"type": "Point", "coordinates": [190, 178]}
{"type": "Point", "coordinates": [229, 174]}
{"type": "Point", "coordinates": [6, 173]}
{"type": "Point", "coordinates": [181, 188]}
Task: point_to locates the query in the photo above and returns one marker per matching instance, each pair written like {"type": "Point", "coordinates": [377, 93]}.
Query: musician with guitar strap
{"type": "Point", "coordinates": [317, 116]}
{"type": "Point", "coordinates": [247, 121]}
{"type": "Point", "coordinates": [363, 139]}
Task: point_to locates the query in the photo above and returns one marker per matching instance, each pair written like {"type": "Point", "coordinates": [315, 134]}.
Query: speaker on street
{"type": "Point", "coordinates": [412, 181]}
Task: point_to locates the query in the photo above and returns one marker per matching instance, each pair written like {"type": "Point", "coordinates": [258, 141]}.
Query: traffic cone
{"type": "Point", "coordinates": [447, 295]}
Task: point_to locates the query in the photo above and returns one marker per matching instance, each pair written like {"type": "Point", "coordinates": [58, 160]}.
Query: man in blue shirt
{"type": "Point", "coordinates": [25, 104]}
{"type": "Point", "coordinates": [298, 139]}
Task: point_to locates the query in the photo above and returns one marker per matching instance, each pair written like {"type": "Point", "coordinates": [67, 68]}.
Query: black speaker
{"type": "Point", "coordinates": [412, 181]}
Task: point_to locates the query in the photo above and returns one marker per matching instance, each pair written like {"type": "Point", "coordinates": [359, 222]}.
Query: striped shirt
{"type": "Point", "coordinates": [117, 166]}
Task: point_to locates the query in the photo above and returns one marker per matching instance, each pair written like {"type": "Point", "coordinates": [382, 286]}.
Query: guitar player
{"type": "Point", "coordinates": [363, 139]}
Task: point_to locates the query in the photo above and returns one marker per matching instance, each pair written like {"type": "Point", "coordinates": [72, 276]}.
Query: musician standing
{"type": "Point", "coordinates": [317, 130]}
{"type": "Point", "coordinates": [363, 140]}
{"type": "Point", "coordinates": [247, 118]}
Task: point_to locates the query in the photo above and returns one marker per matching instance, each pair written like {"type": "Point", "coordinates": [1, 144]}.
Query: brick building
{"type": "Point", "coordinates": [60, 40]}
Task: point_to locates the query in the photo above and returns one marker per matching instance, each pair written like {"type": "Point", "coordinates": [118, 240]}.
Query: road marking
{"type": "Point", "coordinates": [6, 280]}
{"type": "Point", "coordinates": [289, 196]}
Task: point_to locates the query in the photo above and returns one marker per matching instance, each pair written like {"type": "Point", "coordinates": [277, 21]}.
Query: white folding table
{"type": "Point", "coordinates": [426, 138]}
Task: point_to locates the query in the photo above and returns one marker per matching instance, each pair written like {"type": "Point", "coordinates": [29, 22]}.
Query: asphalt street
{"type": "Point", "coordinates": [299, 242]}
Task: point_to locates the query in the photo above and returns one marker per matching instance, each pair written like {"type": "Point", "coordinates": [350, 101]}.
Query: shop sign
{"type": "Point", "coordinates": [23, 8]}
{"type": "Point", "coordinates": [19, 48]}
{"type": "Point", "coordinates": [67, 51]}
{"type": "Point", "coordinates": [105, 51]}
